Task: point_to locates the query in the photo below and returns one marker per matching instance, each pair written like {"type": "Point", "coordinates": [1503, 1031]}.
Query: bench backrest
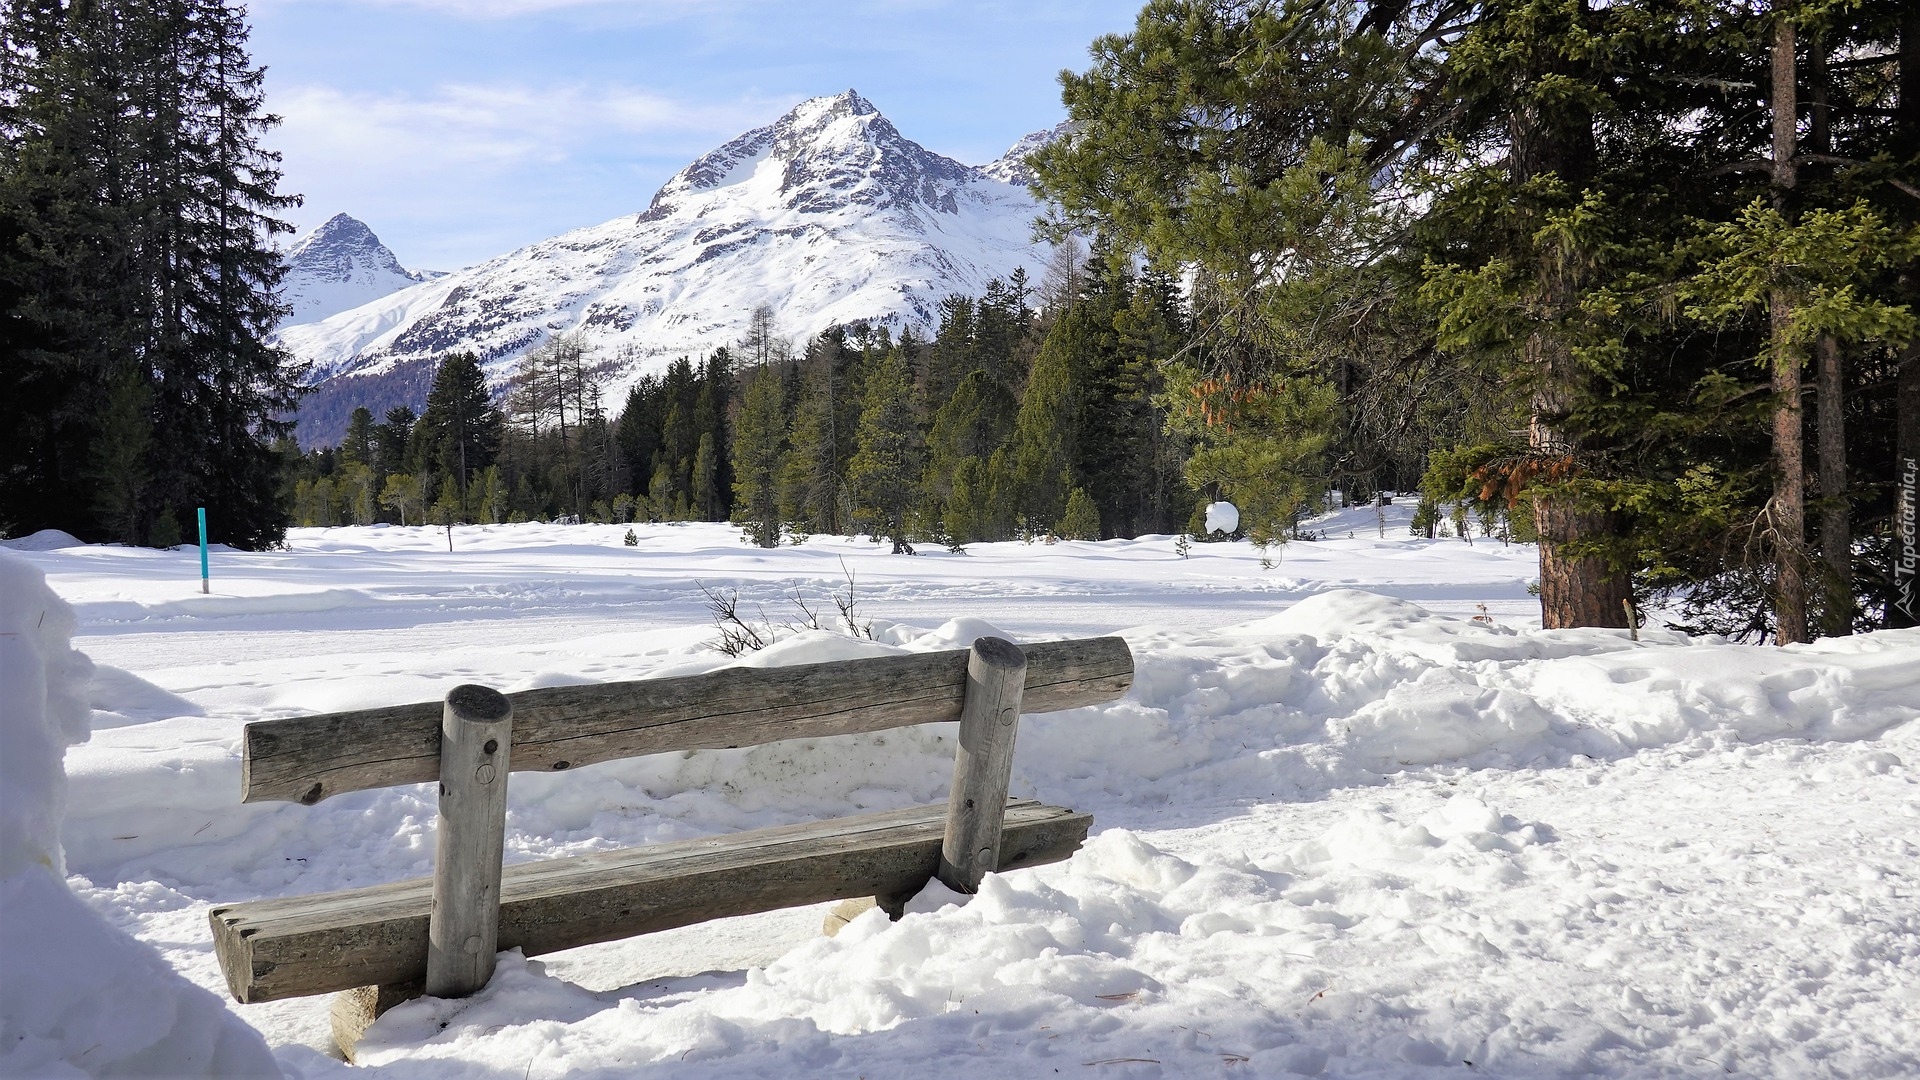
{"type": "Point", "coordinates": [309, 758]}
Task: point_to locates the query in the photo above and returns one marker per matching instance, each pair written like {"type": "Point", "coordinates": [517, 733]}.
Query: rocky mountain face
{"type": "Point", "coordinates": [1011, 167]}
{"type": "Point", "coordinates": [829, 215]}
{"type": "Point", "coordinates": [339, 266]}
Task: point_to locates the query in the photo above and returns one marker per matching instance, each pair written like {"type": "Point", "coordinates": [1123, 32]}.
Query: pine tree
{"type": "Point", "coordinates": [966, 430]}
{"type": "Point", "coordinates": [1082, 518]}
{"type": "Point", "coordinates": [758, 448]}
{"type": "Point", "coordinates": [810, 480]}
{"type": "Point", "coordinates": [1045, 442]}
{"type": "Point", "coordinates": [884, 475]}
{"type": "Point", "coordinates": [358, 444]}
{"type": "Point", "coordinates": [459, 433]}
{"type": "Point", "coordinates": [391, 438]}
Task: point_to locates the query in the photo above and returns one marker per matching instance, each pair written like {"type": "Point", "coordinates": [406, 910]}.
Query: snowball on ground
{"type": "Point", "coordinates": [77, 996]}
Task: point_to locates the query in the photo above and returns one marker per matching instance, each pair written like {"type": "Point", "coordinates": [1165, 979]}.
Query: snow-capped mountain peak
{"type": "Point", "coordinates": [826, 152]}
{"type": "Point", "coordinates": [338, 266]}
{"type": "Point", "coordinates": [1012, 168]}
{"type": "Point", "coordinates": [829, 214]}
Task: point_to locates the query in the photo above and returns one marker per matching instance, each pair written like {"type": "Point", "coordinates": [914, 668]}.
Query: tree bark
{"type": "Point", "coordinates": [1786, 513]}
{"type": "Point", "coordinates": [1903, 607]}
{"type": "Point", "coordinates": [1830, 408]}
{"type": "Point", "coordinates": [1836, 517]}
{"type": "Point", "coordinates": [1583, 589]}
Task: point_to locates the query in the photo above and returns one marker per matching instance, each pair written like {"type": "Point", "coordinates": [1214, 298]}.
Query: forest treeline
{"type": "Point", "coordinates": [1019, 417]}
{"type": "Point", "coordinates": [138, 274]}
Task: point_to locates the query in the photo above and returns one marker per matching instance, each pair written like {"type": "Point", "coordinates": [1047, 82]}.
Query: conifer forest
{"type": "Point", "coordinates": [1636, 281]}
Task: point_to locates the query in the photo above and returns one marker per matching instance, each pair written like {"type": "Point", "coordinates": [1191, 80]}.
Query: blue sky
{"type": "Point", "coordinates": [461, 129]}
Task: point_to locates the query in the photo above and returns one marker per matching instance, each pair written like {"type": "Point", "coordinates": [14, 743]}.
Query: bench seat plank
{"type": "Point", "coordinates": [309, 758]}
{"type": "Point", "coordinates": [302, 945]}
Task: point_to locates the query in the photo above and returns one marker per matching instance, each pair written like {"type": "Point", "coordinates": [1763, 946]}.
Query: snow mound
{"type": "Point", "coordinates": [44, 540]}
{"type": "Point", "coordinates": [79, 998]}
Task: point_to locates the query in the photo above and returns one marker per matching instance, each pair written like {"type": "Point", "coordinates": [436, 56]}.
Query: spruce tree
{"type": "Point", "coordinates": [758, 449]}
{"type": "Point", "coordinates": [1082, 518]}
{"type": "Point", "coordinates": [884, 475]}
{"type": "Point", "coordinates": [810, 479]}
{"type": "Point", "coordinates": [459, 434]}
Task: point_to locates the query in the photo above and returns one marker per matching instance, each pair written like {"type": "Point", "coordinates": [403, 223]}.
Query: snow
{"type": "Point", "coordinates": [44, 540]}
{"type": "Point", "coordinates": [1222, 517]}
{"type": "Point", "coordinates": [1342, 827]}
{"type": "Point", "coordinates": [78, 997]}
{"type": "Point", "coordinates": [339, 266]}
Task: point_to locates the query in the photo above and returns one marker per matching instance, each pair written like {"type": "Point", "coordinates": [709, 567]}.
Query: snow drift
{"type": "Point", "coordinates": [78, 997]}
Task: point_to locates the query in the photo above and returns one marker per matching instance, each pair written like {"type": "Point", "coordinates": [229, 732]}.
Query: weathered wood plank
{"type": "Point", "coordinates": [303, 945]}
{"type": "Point", "coordinates": [983, 763]}
{"type": "Point", "coordinates": [476, 743]}
{"type": "Point", "coordinates": [309, 758]}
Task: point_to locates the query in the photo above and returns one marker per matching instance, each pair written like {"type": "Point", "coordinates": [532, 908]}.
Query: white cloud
{"type": "Point", "coordinates": [501, 9]}
{"type": "Point", "coordinates": [465, 171]}
{"type": "Point", "coordinates": [466, 125]}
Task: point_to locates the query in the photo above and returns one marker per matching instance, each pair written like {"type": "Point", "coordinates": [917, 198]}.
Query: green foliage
{"type": "Point", "coordinates": [885, 471]}
{"type": "Point", "coordinates": [403, 494]}
{"type": "Point", "coordinates": [166, 530]}
{"type": "Point", "coordinates": [1826, 262]}
{"type": "Point", "coordinates": [1261, 446]}
{"type": "Point", "coordinates": [1082, 519]}
{"type": "Point", "coordinates": [758, 450]}
{"type": "Point", "coordinates": [138, 272]}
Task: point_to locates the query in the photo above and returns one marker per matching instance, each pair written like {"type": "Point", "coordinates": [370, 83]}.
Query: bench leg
{"type": "Point", "coordinates": [476, 731]}
{"type": "Point", "coordinates": [983, 765]}
{"type": "Point", "coordinates": [846, 911]}
{"type": "Point", "coordinates": [355, 1010]}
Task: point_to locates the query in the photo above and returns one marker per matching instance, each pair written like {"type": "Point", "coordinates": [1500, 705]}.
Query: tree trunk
{"type": "Point", "coordinates": [1830, 401]}
{"type": "Point", "coordinates": [1836, 519]}
{"type": "Point", "coordinates": [1786, 513]}
{"type": "Point", "coordinates": [1582, 590]}
{"type": "Point", "coordinates": [1903, 607]}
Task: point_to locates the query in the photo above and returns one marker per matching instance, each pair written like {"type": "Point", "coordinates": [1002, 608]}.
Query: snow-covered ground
{"type": "Point", "coordinates": [1341, 827]}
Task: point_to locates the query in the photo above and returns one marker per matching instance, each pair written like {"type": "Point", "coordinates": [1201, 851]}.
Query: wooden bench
{"type": "Point", "coordinates": [387, 943]}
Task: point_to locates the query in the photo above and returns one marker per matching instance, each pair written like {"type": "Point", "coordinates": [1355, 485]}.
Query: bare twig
{"type": "Point", "coordinates": [848, 603]}
{"type": "Point", "coordinates": [737, 636]}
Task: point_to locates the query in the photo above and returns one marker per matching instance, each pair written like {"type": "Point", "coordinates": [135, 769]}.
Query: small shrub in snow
{"type": "Point", "coordinates": [739, 635]}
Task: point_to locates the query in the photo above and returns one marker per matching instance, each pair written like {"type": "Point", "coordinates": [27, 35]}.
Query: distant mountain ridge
{"type": "Point", "coordinates": [1012, 168]}
{"type": "Point", "coordinates": [339, 266]}
{"type": "Point", "coordinates": [829, 215]}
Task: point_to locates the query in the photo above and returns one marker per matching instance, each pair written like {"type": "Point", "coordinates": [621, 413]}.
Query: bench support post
{"type": "Point", "coordinates": [476, 730]}
{"type": "Point", "coordinates": [354, 1011]}
{"type": "Point", "coordinates": [983, 764]}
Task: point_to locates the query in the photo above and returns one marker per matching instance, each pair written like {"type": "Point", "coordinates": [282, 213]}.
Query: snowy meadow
{"type": "Point", "coordinates": [1358, 816]}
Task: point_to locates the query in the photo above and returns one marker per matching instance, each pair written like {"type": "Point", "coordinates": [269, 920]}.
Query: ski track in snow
{"type": "Point", "coordinates": [1336, 833]}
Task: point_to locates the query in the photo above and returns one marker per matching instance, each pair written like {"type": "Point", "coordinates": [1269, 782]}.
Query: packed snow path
{"type": "Point", "coordinates": [1337, 832]}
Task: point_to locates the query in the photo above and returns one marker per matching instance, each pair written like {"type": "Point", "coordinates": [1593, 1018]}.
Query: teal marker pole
{"type": "Point", "coordinates": [203, 549]}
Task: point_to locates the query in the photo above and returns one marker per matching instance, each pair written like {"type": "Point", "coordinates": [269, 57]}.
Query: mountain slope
{"type": "Point", "coordinates": [1012, 168]}
{"type": "Point", "coordinates": [829, 215]}
{"type": "Point", "coordinates": [339, 266]}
